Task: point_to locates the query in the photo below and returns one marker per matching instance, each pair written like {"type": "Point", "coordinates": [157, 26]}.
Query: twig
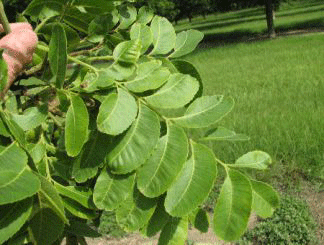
{"type": "Point", "coordinates": [4, 20]}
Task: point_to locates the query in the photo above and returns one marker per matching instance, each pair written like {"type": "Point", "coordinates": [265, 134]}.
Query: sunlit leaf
{"type": "Point", "coordinates": [78, 210]}
{"type": "Point", "coordinates": [164, 36]}
{"type": "Point", "coordinates": [165, 163]}
{"type": "Point", "coordinates": [117, 106]}
{"type": "Point", "coordinates": [31, 118]}
{"type": "Point", "coordinates": [175, 232]}
{"type": "Point", "coordinates": [135, 211]}
{"type": "Point", "coordinates": [94, 82]}
{"type": "Point", "coordinates": [205, 111]}
{"type": "Point", "coordinates": [221, 133]}
{"type": "Point", "coordinates": [111, 190]}
{"type": "Point", "coordinates": [143, 33]}
{"type": "Point", "coordinates": [137, 144]}
{"type": "Point", "coordinates": [127, 16]}
{"type": "Point", "coordinates": [13, 217]}
{"type": "Point", "coordinates": [255, 159]}
{"type": "Point", "coordinates": [128, 51]}
{"type": "Point", "coordinates": [76, 126]}
{"type": "Point", "coordinates": [17, 181]}
{"type": "Point", "coordinates": [233, 207]}
{"type": "Point", "coordinates": [265, 199]}
{"type": "Point", "coordinates": [150, 75]}
{"type": "Point", "coordinates": [15, 130]}
{"type": "Point", "coordinates": [145, 15]}
{"type": "Point", "coordinates": [186, 42]}
{"type": "Point", "coordinates": [178, 91]}
{"type": "Point", "coordinates": [3, 72]}
{"type": "Point", "coordinates": [194, 183]}
{"type": "Point", "coordinates": [57, 54]}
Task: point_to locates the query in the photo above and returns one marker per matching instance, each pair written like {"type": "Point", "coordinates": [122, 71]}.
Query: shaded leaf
{"type": "Point", "coordinates": [201, 220]}
{"type": "Point", "coordinates": [186, 42]}
{"type": "Point", "coordinates": [150, 75]}
{"type": "Point", "coordinates": [13, 217]}
{"type": "Point", "coordinates": [37, 151]}
{"type": "Point", "coordinates": [92, 157]}
{"type": "Point", "coordinates": [135, 211]}
{"type": "Point", "coordinates": [17, 181]}
{"type": "Point", "coordinates": [222, 133]}
{"type": "Point", "coordinates": [127, 16]}
{"type": "Point", "coordinates": [57, 54]}
{"type": "Point", "coordinates": [78, 210]}
{"type": "Point", "coordinates": [205, 111]}
{"type": "Point", "coordinates": [265, 199]}
{"type": "Point", "coordinates": [93, 82]}
{"type": "Point", "coordinates": [15, 130]}
{"type": "Point", "coordinates": [3, 72]}
{"type": "Point", "coordinates": [76, 126]}
{"type": "Point", "coordinates": [137, 144]}
{"type": "Point", "coordinates": [175, 232]}
{"type": "Point", "coordinates": [165, 163]}
{"type": "Point", "coordinates": [194, 183]}
{"type": "Point", "coordinates": [117, 106]}
{"type": "Point", "coordinates": [164, 36]}
{"type": "Point", "coordinates": [120, 71]}
{"type": "Point", "coordinates": [179, 90]}
{"type": "Point", "coordinates": [233, 207]}
{"type": "Point", "coordinates": [254, 159]}
{"type": "Point", "coordinates": [81, 229]}
{"type": "Point", "coordinates": [111, 190]}
{"type": "Point", "coordinates": [45, 227]}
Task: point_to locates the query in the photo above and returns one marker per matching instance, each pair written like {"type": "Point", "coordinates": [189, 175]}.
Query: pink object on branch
{"type": "Point", "coordinates": [20, 45]}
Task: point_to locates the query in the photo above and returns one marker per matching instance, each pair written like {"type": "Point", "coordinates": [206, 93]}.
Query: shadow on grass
{"type": "Point", "coordinates": [237, 36]}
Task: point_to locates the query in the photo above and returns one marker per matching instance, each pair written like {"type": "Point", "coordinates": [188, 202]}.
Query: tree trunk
{"type": "Point", "coordinates": [270, 18]}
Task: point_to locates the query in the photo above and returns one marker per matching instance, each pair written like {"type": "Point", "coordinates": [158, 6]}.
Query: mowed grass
{"type": "Point", "coordinates": [250, 22]}
{"type": "Point", "coordinates": [278, 86]}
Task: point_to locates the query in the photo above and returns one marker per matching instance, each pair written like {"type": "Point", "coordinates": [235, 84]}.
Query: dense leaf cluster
{"type": "Point", "coordinates": [113, 135]}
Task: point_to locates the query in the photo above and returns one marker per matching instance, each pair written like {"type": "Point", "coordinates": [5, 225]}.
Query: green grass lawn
{"type": "Point", "coordinates": [278, 86]}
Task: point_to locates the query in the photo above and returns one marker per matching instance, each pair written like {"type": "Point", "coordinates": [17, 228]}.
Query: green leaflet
{"type": "Point", "coordinates": [15, 130]}
{"type": "Point", "coordinates": [44, 9]}
{"type": "Point", "coordinates": [80, 194]}
{"type": "Point", "coordinates": [143, 33]}
{"type": "Point", "coordinates": [92, 82]}
{"type": "Point", "coordinates": [117, 106]}
{"type": "Point", "coordinates": [57, 54]}
{"type": "Point", "coordinates": [17, 181]}
{"type": "Point", "coordinates": [165, 163]}
{"type": "Point", "coordinates": [76, 126]}
{"type": "Point", "coordinates": [255, 159]}
{"type": "Point", "coordinates": [49, 198]}
{"type": "Point", "coordinates": [175, 232]}
{"type": "Point", "coordinates": [205, 111]}
{"type": "Point", "coordinates": [164, 36]}
{"type": "Point", "coordinates": [200, 220]}
{"type": "Point", "coordinates": [3, 129]}
{"type": "Point", "coordinates": [233, 207]}
{"type": "Point", "coordinates": [13, 217]}
{"type": "Point", "coordinates": [194, 183]}
{"type": "Point", "coordinates": [81, 229]}
{"type": "Point", "coordinates": [135, 211]}
{"type": "Point", "coordinates": [37, 151]}
{"type": "Point", "coordinates": [150, 75]}
{"type": "Point", "coordinates": [78, 210]}
{"type": "Point", "coordinates": [31, 118]}
{"type": "Point", "coordinates": [103, 24]}
{"type": "Point", "coordinates": [39, 227]}
{"type": "Point", "coordinates": [92, 157]}
{"type": "Point", "coordinates": [158, 220]}
{"type": "Point", "coordinates": [221, 133]}
{"type": "Point", "coordinates": [265, 199]}
{"type": "Point", "coordinates": [179, 90]}
{"type": "Point", "coordinates": [111, 190]}
{"type": "Point", "coordinates": [137, 144]}
{"type": "Point", "coordinates": [127, 16]}
{"type": "Point", "coordinates": [128, 51]}
{"type": "Point", "coordinates": [186, 42]}
{"type": "Point", "coordinates": [3, 72]}
{"type": "Point", "coordinates": [145, 15]}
